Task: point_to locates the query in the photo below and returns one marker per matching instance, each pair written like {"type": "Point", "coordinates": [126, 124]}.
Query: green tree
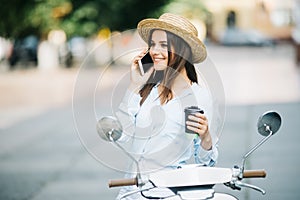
{"type": "Point", "coordinates": [191, 9]}
{"type": "Point", "coordinates": [13, 20]}
{"type": "Point", "coordinates": [76, 17]}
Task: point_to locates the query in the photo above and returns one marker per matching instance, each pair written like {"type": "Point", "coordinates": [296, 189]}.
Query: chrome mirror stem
{"type": "Point", "coordinates": [254, 148]}
{"type": "Point", "coordinates": [130, 156]}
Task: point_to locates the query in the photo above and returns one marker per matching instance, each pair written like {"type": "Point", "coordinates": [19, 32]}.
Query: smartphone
{"type": "Point", "coordinates": [145, 63]}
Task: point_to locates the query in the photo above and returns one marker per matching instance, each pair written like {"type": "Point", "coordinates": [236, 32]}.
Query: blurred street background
{"type": "Point", "coordinates": [45, 45]}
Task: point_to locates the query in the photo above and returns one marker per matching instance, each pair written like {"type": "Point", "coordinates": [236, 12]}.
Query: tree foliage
{"type": "Point", "coordinates": [13, 15]}
{"type": "Point", "coordinates": [190, 9]}
{"type": "Point", "coordinates": [75, 17]}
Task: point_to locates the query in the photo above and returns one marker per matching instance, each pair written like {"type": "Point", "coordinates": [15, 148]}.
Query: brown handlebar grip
{"type": "Point", "coordinates": [255, 173]}
{"type": "Point", "coordinates": [122, 182]}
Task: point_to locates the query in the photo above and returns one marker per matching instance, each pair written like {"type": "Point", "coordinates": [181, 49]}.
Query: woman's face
{"type": "Point", "coordinates": [159, 49]}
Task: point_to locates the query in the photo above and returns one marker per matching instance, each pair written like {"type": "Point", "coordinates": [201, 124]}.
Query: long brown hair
{"type": "Point", "coordinates": [178, 58]}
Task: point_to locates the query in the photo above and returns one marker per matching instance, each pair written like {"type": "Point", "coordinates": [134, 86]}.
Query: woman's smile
{"type": "Point", "coordinates": [158, 60]}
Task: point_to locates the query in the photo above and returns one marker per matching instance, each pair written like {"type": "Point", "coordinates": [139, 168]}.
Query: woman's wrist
{"type": "Point", "coordinates": [206, 142]}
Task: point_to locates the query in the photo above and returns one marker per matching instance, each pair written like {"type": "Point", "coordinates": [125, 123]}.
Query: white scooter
{"type": "Point", "coordinates": [191, 182]}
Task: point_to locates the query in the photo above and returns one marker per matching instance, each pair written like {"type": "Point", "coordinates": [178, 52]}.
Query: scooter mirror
{"type": "Point", "coordinates": [109, 128]}
{"type": "Point", "coordinates": [269, 122]}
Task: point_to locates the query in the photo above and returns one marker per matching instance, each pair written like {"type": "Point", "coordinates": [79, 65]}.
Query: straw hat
{"type": "Point", "coordinates": [179, 26]}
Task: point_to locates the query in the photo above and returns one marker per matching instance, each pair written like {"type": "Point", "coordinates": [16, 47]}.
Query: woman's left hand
{"type": "Point", "coordinates": [199, 124]}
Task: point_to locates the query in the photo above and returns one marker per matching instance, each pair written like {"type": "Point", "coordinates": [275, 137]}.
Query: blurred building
{"type": "Point", "coordinates": [272, 18]}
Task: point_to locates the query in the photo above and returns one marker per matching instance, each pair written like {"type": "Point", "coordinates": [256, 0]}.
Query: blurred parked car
{"type": "Point", "coordinates": [24, 51]}
{"type": "Point", "coordinates": [237, 37]}
{"type": "Point", "coordinates": [65, 55]}
{"type": "Point", "coordinates": [78, 47]}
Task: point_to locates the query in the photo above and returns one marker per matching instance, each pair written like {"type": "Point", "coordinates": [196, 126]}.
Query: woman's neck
{"type": "Point", "coordinates": [181, 83]}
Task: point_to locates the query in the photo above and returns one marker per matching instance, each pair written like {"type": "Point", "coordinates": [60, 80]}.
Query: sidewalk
{"type": "Point", "coordinates": [257, 75]}
{"type": "Point", "coordinates": [26, 93]}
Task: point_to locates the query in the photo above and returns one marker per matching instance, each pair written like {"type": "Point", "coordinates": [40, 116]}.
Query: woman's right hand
{"type": "Point", "coordinates": [136, 79]}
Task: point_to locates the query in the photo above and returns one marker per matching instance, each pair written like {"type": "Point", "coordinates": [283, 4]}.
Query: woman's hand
{"type": "Point", "coordinates": [136, 79]}
{"type": "Point", "coordinates": [199, 124]}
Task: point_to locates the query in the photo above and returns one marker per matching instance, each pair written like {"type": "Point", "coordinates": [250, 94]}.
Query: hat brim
{"type": "Point", "coordinates": [198, 48]}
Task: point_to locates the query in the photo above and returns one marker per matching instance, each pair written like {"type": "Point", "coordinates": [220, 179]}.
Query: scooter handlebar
{"type": "Point", "coordinates": [122, 182]}
{"type": "Point", "coordinates": [254, 173]}
{"type": "Point", "coordinates": [134, 181]}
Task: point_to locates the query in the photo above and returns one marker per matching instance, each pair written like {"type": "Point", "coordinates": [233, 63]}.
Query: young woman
{"type": "Point", "coordinates": [152, 110]}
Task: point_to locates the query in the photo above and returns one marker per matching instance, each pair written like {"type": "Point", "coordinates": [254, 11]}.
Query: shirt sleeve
{"type": "Point", "coordinates": [202, 156]}
{"type": "Point", "coordinates": [127, 112]}
{"type": "Point", "coordinates": [130, 104]}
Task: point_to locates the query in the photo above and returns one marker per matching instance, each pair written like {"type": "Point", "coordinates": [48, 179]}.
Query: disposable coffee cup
{"type": "Point", "coordinates": [192, 110]}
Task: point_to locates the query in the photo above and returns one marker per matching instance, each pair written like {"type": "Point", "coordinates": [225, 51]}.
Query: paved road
{"type": "Point", "coordinates": [41, 156]}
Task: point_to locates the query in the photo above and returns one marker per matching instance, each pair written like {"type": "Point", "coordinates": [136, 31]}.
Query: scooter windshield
{"type": "Point", "coordinates": [153, 133]}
